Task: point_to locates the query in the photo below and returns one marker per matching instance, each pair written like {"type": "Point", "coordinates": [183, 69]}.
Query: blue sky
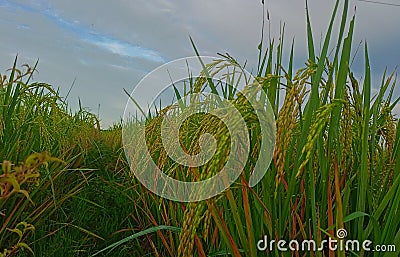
{"type": "Point", "coordinates": [83, 32]}
{"type": "Point", "coordinates": [106, 46]}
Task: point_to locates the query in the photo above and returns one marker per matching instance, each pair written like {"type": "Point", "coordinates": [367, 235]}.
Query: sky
{"type": "Point", "coordinates": [107, 46]}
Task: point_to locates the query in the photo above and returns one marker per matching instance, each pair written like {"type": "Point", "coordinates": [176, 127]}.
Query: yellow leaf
{"type": "Point", "coordinates": [24, 245]}
{"type": "Point", "coordinates": [24, 192]}
{"type": "Point", "coordinates": [13, 180]}
{"type": "Point", "coordinates": [17, 231]}
{"type": "Point", "coordinates": [34, 160]}
{"type": "Point", "coordinates": [6, 166]}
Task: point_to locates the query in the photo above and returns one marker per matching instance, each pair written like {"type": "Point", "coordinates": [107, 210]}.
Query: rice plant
{"type": "Point", "coordinates": [334, 165]}
{"type": "Point", "coordinates": [37, 128]}
{"type": "Point", "coordinates": [67, 190]}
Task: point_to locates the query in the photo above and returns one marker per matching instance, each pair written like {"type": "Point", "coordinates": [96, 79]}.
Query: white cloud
{"type": "Point", "coordinates": [128, 50]}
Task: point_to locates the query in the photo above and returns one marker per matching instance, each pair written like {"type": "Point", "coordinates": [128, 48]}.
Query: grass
{"type": "Point", "coordinates": [59, 199]}
{"type": "Point", "coordinates": [334, 165]}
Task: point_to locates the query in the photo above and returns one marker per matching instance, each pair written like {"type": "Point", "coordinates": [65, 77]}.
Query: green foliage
{"type": "Point", "coordinates": [35, 124]}
{"type": "Point", "coordinates": [335, 162]}
{"type": "Point", "coordinates": [335, 165]}
{"type": "Point", "coordinates": [17, 184]}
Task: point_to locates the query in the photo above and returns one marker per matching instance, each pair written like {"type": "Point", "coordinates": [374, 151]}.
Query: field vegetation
{"type": "Point", "coordinates": [66, 188]}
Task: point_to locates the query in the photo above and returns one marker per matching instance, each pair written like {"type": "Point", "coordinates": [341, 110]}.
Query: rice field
{"type": "Point", "coordinates": [67, 188]}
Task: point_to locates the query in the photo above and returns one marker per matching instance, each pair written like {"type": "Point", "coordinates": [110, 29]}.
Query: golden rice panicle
{"type": "Point", "coordinates": [192, 218]}
{"type": "Point", "coordinates": [346, 133]}
{"type": "Point", "coordinates": [287, 119]}
{"type": "Point", "coordinates": [317, 127]}
{"type": "Point", "coordinates": [207, 219]}
{"type": "Point", "coordinates": [390, 135]}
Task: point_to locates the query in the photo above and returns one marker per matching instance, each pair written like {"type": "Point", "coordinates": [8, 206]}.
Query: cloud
{"type": "Point", "coordinates": [396, 110]}
{"type": "Point", "coordinates": [23, 26]}
{"type": "Point", "coordinates": [89, 35]}
{"type": "Point", "coordinates": [110, 45]}
{"type": "Point", "coordinates": [125, 49]}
